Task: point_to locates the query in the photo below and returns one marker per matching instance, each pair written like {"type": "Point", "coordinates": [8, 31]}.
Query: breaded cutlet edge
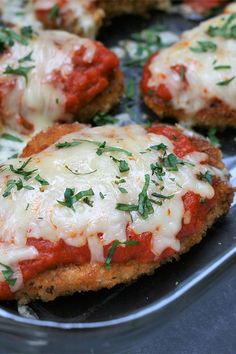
{"type": "Point", "coordinates": [215, 114]}
{"type": "Point", "coordinates": [65, 280]}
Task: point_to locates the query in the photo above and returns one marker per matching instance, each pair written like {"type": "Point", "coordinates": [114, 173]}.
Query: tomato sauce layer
{"type": "Point", "coordinates": [51, 255]}
{"type": "Point", "coordinates": [87, 79]}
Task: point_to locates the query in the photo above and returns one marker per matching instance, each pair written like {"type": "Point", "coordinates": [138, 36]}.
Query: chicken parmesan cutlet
{"type": "Point", "coordinates": [52, 76]}
{"type": "Point", "coordinates": [88, 208]}
{"type": "Point", "coordinates": [194, 80]}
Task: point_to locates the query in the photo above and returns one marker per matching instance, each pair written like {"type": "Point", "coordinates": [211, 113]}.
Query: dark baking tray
{"type": "Point", "coordinates": [111, 321]}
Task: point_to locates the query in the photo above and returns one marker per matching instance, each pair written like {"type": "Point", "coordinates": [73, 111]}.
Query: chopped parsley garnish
{"type": "Point", "coordinates": [20, 71]}
{"type": "Point", "coordinates": [8, 37]}
{"type": "Point", "coordinates": [123, 190]}
{"type": "Point", "coordinates": [11, 137]}
{"type": "Point", "coordinates": [212, 136]}
{"type": "Point", "coordinates": [158, 170]}
{"type": "Point", "coordinates": [102, 196]}
{"type": "Point", "coordinates": [206, 177]}
{"type": "Point", "coordinates": [70, 198]}
{"type": "Point", "coordinates": [126, 207]}
{"type": "Point", "coordinates": [144, 207]}
{"type": "Point", "coordinates": [204, 47]}
{"type": "Point", "coordinates": [67, 144]}
{"type": "Point", "coordinates": [54, 13]}
{"type": "Point", "coordinates": [222, 67]}
{"type": "Point", "coordinates": [21, 170]}
{"type": "Point", "coordinates": [7, 274]}
{"type": "Point", "coordinates": [130, 89]}
{"type": "Point", "coordinates": [123, 166]}
{"type": "Point", "coordinates": [102, 147]}
{"type": "Point", "coordinates": [27, 31]}
{"type": "Point", "coordinates": [103, 119]}
{"type": "Point", "coordinates": [12, 183]}
{"type": "Point", "coordinates": [77, 173]}
{"type": "Point", "coordinates": [159, 147]}
{"type": "Point", "coordinates": [113, 248]}
{"type": "Point", "coordinates": [119, 180]}
{"type": "Point", "coordinates": [171, 162]}
{"type": "Point", "coordinates": [224, 31]}
{"type": "Point", "coordinates": [161, 196]}
{"type": "Point", "coordinates": [225, 82]}
{"type": "Point", "coordinates": [41, 180]}
{"type": "Point", "coordinates": [28, 57]}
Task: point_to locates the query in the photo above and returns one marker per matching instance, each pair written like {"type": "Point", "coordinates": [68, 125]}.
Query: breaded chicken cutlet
{"type": "Point", "coordinates": [194, 80]}
{"type": "Point", "coordinates": [88, 208]}
{"type": "Point", "coordinates": [85, 17]}
{"type": "Point", "coordinates": [53, 76]}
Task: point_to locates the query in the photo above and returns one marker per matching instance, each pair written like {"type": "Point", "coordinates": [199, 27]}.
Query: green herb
{"type": "Point", "coordinates": [11, 137]}
{"type": "Point", "coordinates": [70, 198]}
{"type": "Point", "coordinates": [126, 207]}
{"type": "Point", "coordinates": [104, 148]}
{"type": "Point", "coordinates": [225, 82]}
{"type": "Point", "coordinates": [225, 31]}
{"type": "Point", "coordinates": [123, 166]}
{"type": "Point", "coordinates": [145, 207]}
{"type": "Point", "coordinates": [212, 136]}
{"type": "Point", "coordinates": [54, 13]}
{"type": "Point", "coordinates": [158, 170]}
{"type": "Point", "coordinates": [159, 147]}
{"type": "Point", "coordinates": [161, 196]}
{"type": "Point", "coordinates": [79, 173]}
{"type": "Point", "coordinates": [21, 170]}
{"type": "Point", "coordinates": [67, 144]}
{"type": "Point", "coordinates": [12, 183]}
{"type": "Point", "coordinates": [7, 274]}
{"type": "Point", "coordinates": [20, 71]}
{"type": "Point", "coordinates": [120, 180]}
{"type": "Point", "coordinates": [171, 162]}
{"type": "Point", "coordinates": [222, 67]}
{"type": "Point", "coordinates": [102, 196]}
{"type": "Point", "coordinates": [28, 57]}
{"type": "Point", "coordinates": [207, 177]}
{"type": "Point", "coordinates": [130, 89]}
{"type": "Point", "coordinates": [8, 37]}
{"type": "Point", "coordinates": [123, 190]}
{"type": "Point", "coordinates": [204, 47]}
{"type": "Point", "coordinates": [41, 180]}
{"type": "Point", "coordinates": [103, 119]}
{"type": "Point", "coordinates": [27, 32]}
{"type": "Point", "coordinates": [113, 248]}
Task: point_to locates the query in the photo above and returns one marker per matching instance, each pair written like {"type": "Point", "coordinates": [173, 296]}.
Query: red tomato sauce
{"type": "Point", "coordinates": [202, 6]}
{"type": "Point", "coordinates": [161, 91]}
{"type": "Point", "coordinates": [87, 80]}
{"type": "Point", "coordinates": [45, 15]}
{"type": "Point", "coordinates": [54, 254]}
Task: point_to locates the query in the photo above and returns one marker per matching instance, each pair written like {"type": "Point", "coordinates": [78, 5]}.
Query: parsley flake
{"type": "Point", "coordinates": [70, 198]}
{"type": "Point", "coordinates": [7, 274]}
{"type": "Point", "coordinates": [20, 71]}
{"type": "Point", "coordinates": [113, 249]}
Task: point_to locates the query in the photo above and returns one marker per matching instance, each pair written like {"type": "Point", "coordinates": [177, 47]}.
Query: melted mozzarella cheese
{"type": "Point", "coordinates": [231, 8]}
{"type": "Point", "coordinates": [37, 213]}
{"type": "Point", "coordinates": [40, 100]}
{"type": "Point", "coordinates": [20, 13]}
{"type": "Point", "coordinates": [79, 16]}
{"type": "Point", "coordinates": [203, 79]}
